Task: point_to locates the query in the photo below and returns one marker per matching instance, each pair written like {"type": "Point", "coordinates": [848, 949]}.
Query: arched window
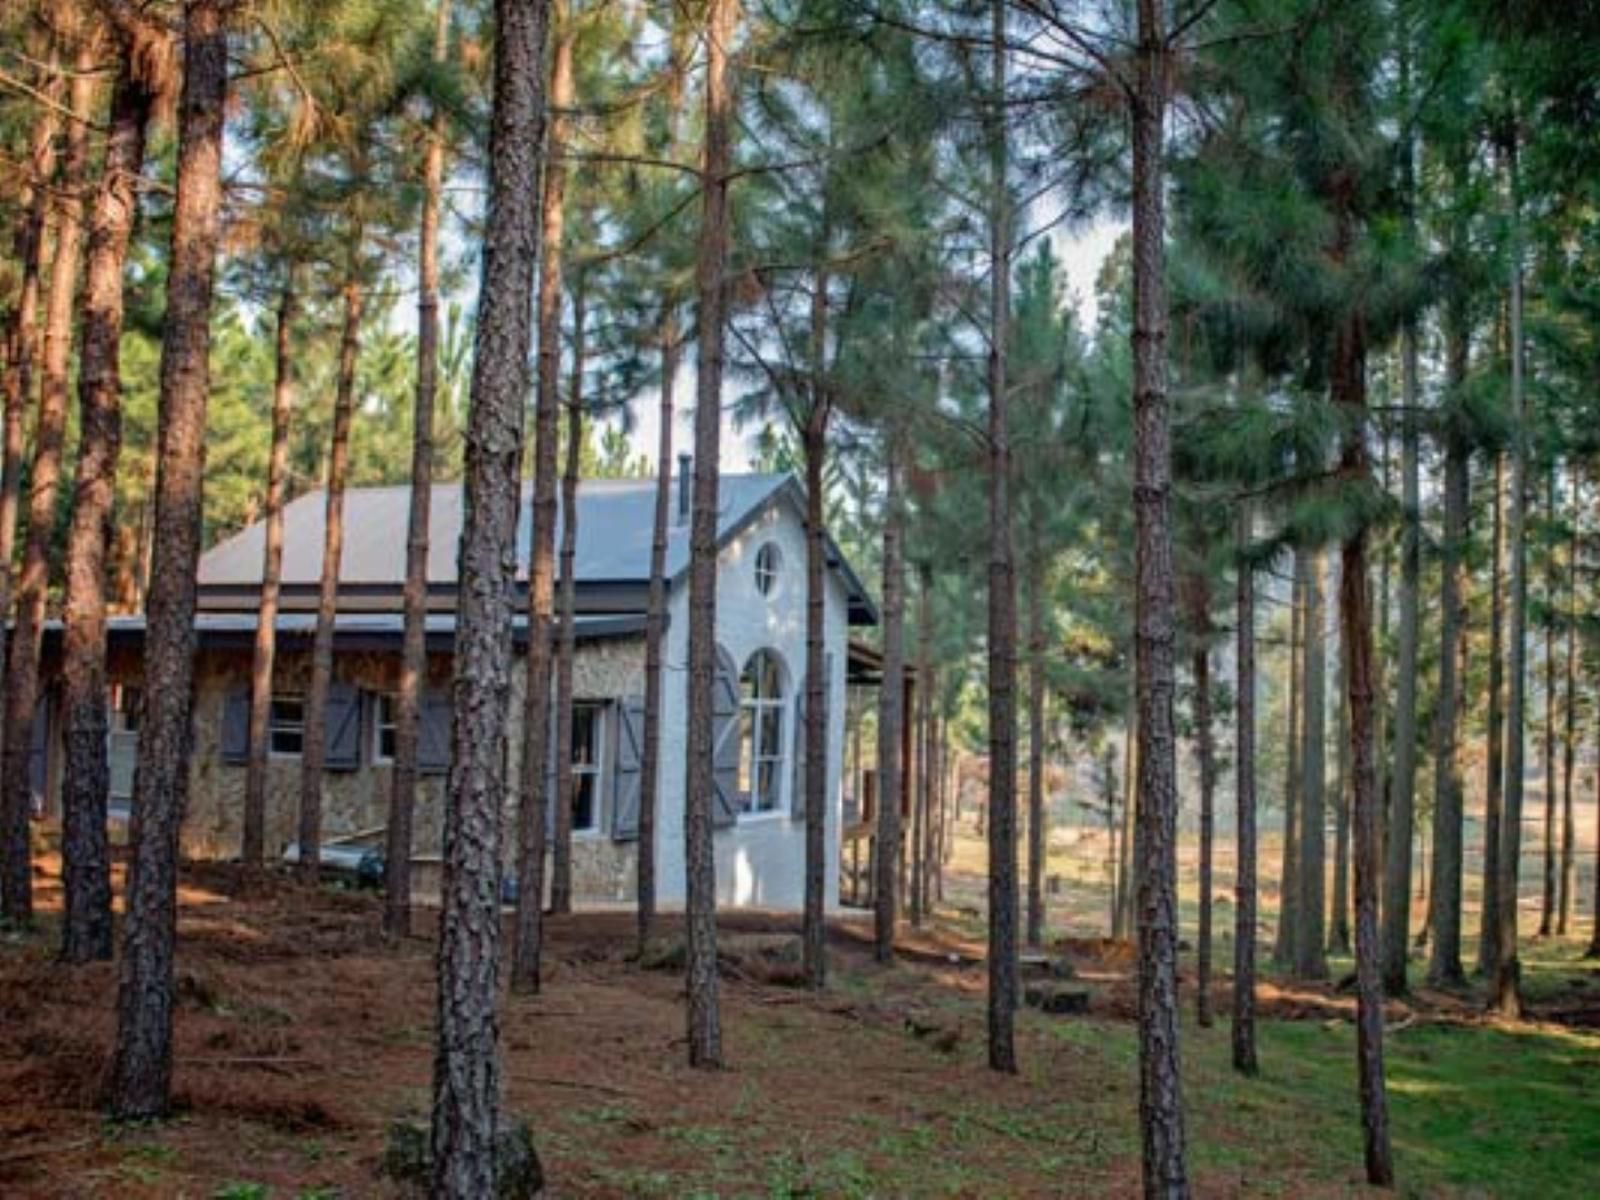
{"type": "Point", "coordinates": [761, 705]}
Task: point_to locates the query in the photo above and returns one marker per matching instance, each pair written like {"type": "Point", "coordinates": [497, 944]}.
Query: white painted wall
{"type": "Point", "coordinates": [760, 860]}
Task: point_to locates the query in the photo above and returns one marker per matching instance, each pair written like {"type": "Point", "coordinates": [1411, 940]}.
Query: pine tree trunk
{"type": "Point", "coordinates": [1495, 735]}
{"type": "Point", "coordinates": [414, 638]}
{"type": "Point", "coordinates": [1310, 955]}
{"type": "Point", "coordinates": [1244, 888]}
{"type": "Point", "coordinates": [929, 782]}
{"type": "Point", "coordinates": [22, 334]}
{"type": "Point", "coordinates": [1155, 852]}
{"type": "Point", "coordinates": [704, 1008]}
{"type": "Point", "coordinates": [313, 752]}
{"type": "Point", "coordinates": [85, 853]}
{"type": "Point", "coordinates": [1349, 392]}
{"type": "Point", "coordinates": [655, 630]}
{"type": "Point", "coordinates": [534, 813]}
{"type": "Point", "coordinates": [1208, 781]}
{"type": "Point", "coordinates": [1506, 990]}
{"type": "Point", "coordinates": [1120, 928]}
{"type": "Point", "coordinates": [567, 643]}
{"type": "Point", "coordinates": [23, 689]}
{"type": "Point", "coordinates": [1569, 743]}
{"type": "Point", "coordinates": [1444, 961]}
{"type": "Point", "coordinates": [253, 847]}
{"type": "Point", "coordinates": [1289, 875]}
{"type": "Point", "coordinates": [1594, 936]}
{"type": "Point", "coordinates": [1038, 832]}
{"type": "Point", "coordinates": [817, 695]}
{"type": "Point", "coordinates": [1547, 908]}
{"type": "Point", "coordinates": [1339, 923]}
{"type": "Point", "coordinates": [466, 1073]}
{"type": "Point", "coordinates": [140, 1075]}
{"type": "Point", "coordinates": [891, 696]}
{"type": "Point", "coordinates": [1002, 805]}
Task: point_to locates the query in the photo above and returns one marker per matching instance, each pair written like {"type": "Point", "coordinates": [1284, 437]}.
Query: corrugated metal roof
{"type": "Point", "coordinates": [614, 533]}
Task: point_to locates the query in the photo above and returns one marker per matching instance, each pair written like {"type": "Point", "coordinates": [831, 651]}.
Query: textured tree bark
{"type": "Point", "coordinates": [1349, 391]}
{"type": "Point", "coordinates": [814, 931]}
{"type": "Point", "coordinates": [44, 484]}
{"type": "Point", "coordinates": [916, 755]}
{"type": "Point", "coordinates": [1244, 888]}
{"type": "Point", "coordinates": [141, 1067]}
{"type": "Point", "coordinates": [1569, 736]}
{"type": "Point", "coordinates": [1038, 834]}
{"type": "Point", "coordinates": [1310, 956]}
{"type": "Point", "coordinates": [536, 728]}
{"type": "Point", "coordinates": [85, 853]}
{"type": "Point", "coordinates": [313, 753]}
{"type": "Point", "coordinates": [466, 1066]}
{"type": "Point", "coordinates": [567, 643]}
{"type": "Point", "coordinates": [1339, 918]}
{"type": "Point", "coordinates": [1002, 806]}
{"type": "Point", "coordinates": [1494, 734]}
{"type": "Point", "coordinates": [253, 848]}
{"type": "Point", "coordinates": [414, 638]}
{"type": "Point", "coordinates": [1506, 990]}
{"type": "Point", "coordinates": [1444, 956]}
{"type": "Point", "coordinates": [1289, 875]}
{"type": "Point", "coordinates": [22, 333]}
{"type": "Point", "coordinates": [654, 630]}
{"type": "Point", "coordinates": [891, 698]}
{"type": "Point", "coordinates": [1199, 596]}
{"type": "Point", "coordinates": [1155, 852]}
{"type": "Point", "coordinates": [1547, 907]}
{"type": "Point", "coordinates": [532, 815]}
{"type": "Point", "coordinates": [704, 1007]}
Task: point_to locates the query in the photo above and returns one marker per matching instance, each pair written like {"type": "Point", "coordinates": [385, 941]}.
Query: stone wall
{"type": "Point", "coordinates": [356, 801]}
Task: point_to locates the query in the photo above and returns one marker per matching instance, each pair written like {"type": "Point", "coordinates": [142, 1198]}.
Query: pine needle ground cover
{"type": "Point", "coordinates": [301, 1036]}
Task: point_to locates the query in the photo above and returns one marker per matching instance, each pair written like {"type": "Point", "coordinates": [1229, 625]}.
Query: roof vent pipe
{"type": "Point", "coordinates": [685, 485]}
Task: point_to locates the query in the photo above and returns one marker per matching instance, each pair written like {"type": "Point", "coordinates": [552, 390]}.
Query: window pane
{"type": "Point", "coordinates": [585, 735]}
{"type": "Point", "coordinates": [767, 799]}
{"type": "Point", "coordinates": [771, 745]}
{"type": "Point", "coordinates": [583, 801]}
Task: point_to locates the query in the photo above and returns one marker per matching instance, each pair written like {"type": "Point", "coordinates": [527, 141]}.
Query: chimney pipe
{"type": "Point", "coordinates": [685, 485]}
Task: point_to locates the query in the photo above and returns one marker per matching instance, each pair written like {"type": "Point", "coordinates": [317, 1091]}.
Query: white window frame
{"type": "Point", "coordinates": [592, 769]}
{"type": "Point", "coordinates": [754, 712]}
{"type": "Point", "coordinates": [274, 726]}
{"type": "Point", "coordinates": [385, 716]}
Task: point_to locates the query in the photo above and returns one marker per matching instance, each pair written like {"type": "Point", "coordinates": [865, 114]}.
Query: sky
{"type": "Point", "coordinates": [1081, 251]}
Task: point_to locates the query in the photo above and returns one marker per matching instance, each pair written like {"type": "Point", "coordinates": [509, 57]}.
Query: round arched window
{"type": "Point", "coordinates": [769, 561]}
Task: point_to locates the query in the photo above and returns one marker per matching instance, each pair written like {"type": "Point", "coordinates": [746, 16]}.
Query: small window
{"type": "Point", "coordinates": [386, 715]}
{"type": "Point", "coordinates": [587, 723]}
{"type": "Point", "coordinates": [286, 725]}
{"type": "Point", "coordinates": [127, 706]}
{"type": "Point", "coordinates": [761, 733]}
{"type": "Point", "coordinates": [769, 561]}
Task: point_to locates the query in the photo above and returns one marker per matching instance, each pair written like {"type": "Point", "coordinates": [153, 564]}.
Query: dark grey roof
{"type": "Point", "coordinates": [615, 520]}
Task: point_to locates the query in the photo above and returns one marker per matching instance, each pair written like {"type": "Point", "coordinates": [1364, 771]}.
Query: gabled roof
{"type": "Point", "coordinates": [615, 519]}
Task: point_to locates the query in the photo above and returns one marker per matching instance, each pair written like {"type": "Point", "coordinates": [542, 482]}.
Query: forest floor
{"type": "Point", "coordinates": [301, 1036]}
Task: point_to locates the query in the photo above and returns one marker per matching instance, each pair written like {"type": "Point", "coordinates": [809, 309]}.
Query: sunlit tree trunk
{"type": "Point", "coordinates": [1310, 955]}
{"type": "Point", "coordinates": [85, 853]}
{"type": "Point", "coordinates": [414, 639]}
{"type": "Point", "coordinates": [466, 1072]}
{"type": "Point", "coordinates": [44, 484]}
{"type": "Point", "coordinates": [140, 1075]}
{"type": "Point", "coordinates": [253, 847]}
{"type": "Point", "coordinates": [566, 629]}
{"type": "Point", "coordinates": [704, 1009]}
{"type": "Point", "coordinates": [1244, 890]}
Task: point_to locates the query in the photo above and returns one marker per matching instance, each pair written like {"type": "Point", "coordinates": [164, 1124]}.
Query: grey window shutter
{"type": "Point", "coordinates": [433, 733]}
{"type": "Point", "coordinates": [236, 727]}
{"type": "Point", "coordinates": [39, 754]}
{"type": "Point", "coordinates": [725, 725]}
{"type": "Point", "coordinates": [625, 775]}
{"type": "Point", "coordinates": [344, 728]}
{"type": "Point", "coordinates": [797, 786]}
